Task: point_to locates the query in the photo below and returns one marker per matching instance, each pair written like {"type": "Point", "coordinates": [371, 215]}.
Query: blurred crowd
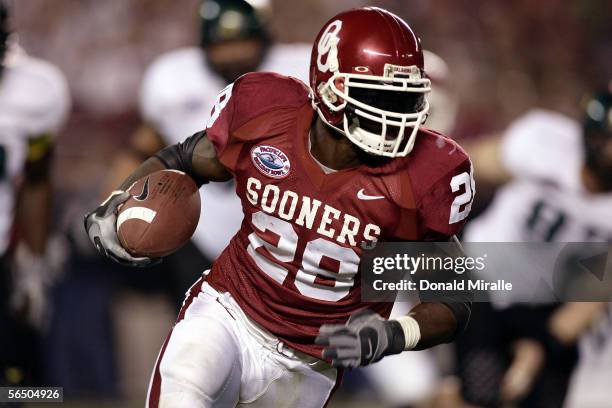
{"type": "Point", "coordinates": [492, 63]}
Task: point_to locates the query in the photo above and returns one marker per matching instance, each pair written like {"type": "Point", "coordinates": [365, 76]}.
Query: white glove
{"type": "Point", "coordinates": [32, 276]}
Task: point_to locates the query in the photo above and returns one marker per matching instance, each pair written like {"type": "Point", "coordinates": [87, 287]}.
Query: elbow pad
{"type": "Point", "coordinates": [179, 156]}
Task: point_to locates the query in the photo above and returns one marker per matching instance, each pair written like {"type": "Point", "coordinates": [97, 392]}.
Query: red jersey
{"type": "Point", "coordinates": [293, 266]}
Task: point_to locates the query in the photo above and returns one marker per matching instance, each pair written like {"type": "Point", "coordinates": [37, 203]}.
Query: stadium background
{"type": "Point", "coordinates": [504, 58]}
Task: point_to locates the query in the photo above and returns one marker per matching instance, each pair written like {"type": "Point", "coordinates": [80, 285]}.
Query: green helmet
{"type": "Point", "coordinates": [227, 20]}
{"type": "Point", "coordinates": [597, 137]}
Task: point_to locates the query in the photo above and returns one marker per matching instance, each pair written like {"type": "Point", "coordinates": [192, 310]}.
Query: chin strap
{"type": "Point", "coordinates": [315, 106]}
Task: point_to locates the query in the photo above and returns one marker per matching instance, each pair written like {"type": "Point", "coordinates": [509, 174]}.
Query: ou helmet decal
{"type": "Point", "coordinates": [328, 46]}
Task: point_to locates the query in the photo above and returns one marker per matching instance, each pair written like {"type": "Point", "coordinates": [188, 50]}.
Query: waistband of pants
{"type": "Point", "coordinates": [262, 335]}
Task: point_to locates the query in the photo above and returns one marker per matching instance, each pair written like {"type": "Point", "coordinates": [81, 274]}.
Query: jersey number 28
{"type": "Point", "coordinates": [327, 269]}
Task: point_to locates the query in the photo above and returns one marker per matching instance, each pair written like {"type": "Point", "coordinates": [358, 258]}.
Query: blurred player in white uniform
{"type": "Point", "coordinates": [34, 102]}
{"type": "Point", "coordinates": [561, 192]}
{"type": "Point", "coordinates": [590, 384]}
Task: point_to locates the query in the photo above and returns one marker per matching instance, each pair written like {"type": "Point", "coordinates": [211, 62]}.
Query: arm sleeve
{"type": "Point", "coordinates": [458, 302]}
{"type": "Point", "coordinates": [462, 310]}
{"type": "Point", "coordinates": [218, 130]}
{"type": "Point", "coordinates": [179, 156]}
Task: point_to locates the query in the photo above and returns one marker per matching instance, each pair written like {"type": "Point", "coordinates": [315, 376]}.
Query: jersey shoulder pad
{"type": "Point", "coordinates": [543, 145]}
{"type": "Point", "coordinates": [437, 184]}
{"type": "Point", "coordinates": [434, 156]}
{"type": "Point", "coordinates": [38, 89]}
{"type": "Point", "coordinates": [250, 97]}
{"type": "Point", "coordinates": [256, 93]}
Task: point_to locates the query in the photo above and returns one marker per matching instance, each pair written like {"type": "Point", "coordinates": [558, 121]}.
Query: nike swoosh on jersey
{"type": "Point", "coordinates": [145, 191]}
{"type": "Point", "coordinates": [362, 196]}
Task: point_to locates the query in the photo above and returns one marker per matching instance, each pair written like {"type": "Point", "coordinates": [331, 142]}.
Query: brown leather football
{"type": "Point", "coordinates": [161, 215]}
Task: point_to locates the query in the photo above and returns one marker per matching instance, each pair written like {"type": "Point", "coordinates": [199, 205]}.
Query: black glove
{"type": "Point", "coordinates": [101, 227]}
{"type": "Point", "coordinates": [364, 339]}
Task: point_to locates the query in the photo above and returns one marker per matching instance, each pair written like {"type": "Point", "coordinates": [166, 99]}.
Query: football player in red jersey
{"type": "Point", "coordinates": [319, 171]}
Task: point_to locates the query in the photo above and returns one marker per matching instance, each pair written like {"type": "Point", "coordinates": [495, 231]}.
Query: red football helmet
{"type": "Point", "coordinates": [368, 80]}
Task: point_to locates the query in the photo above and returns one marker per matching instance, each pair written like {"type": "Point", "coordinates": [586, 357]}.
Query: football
{"type": "Point", "coordinates": [161, 215]}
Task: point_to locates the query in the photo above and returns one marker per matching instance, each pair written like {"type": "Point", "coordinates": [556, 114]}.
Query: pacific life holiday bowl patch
{"type": "Point", "coordinates": [271, 161]}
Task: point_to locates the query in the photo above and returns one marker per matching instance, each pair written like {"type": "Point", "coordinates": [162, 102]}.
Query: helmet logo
{"type": "Point", "coordinates": [328, 47]}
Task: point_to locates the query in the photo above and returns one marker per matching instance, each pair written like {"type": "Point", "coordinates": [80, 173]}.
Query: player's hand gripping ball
{"type": "Point", "coordinates": [161, 214]}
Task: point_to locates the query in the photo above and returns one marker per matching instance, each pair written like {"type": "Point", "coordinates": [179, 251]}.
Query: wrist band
{"type": "Point", "coordinates": [412, 331]}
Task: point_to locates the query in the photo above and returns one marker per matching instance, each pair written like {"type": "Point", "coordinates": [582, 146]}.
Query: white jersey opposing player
{"type": "Point", "coordinates": [34, 101]}
{"type": "Point", "coordinates": [178, 92]}
{"type": "Point", "coordinates": [547, 201]}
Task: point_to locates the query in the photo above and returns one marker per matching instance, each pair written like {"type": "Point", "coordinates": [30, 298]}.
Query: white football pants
{"type": "Point", "coordinates": [215, 356]}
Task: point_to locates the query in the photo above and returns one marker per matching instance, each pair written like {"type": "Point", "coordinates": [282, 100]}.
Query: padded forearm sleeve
{"type": "Point", "coordinates": [462, 311]}
{"type": "Point", "coordinates": [459, 302]}
{"type": "Point", "coordinates": [179, 156]}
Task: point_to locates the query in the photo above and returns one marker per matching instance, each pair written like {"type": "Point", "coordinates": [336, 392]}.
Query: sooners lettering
{"type": "Point", "coordinates": [304, 211]}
